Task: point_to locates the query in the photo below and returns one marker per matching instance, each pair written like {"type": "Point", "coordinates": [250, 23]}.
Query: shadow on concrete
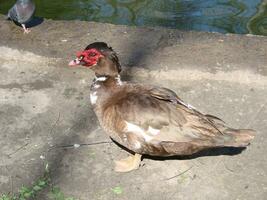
{"type": "Point", "coordinates": [81, 122]}
{"type": "Point", "coordinates": [230, 151]}
{"type": "Point", "coordinates": [138, 51]}
{"type": "Point", "coordinates": [35, 21]}
{"type": "Point", "coordinates": [144, 47]}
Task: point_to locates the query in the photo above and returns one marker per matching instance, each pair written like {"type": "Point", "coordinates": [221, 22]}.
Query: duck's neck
{"type": "Point", "coordinates": [104, 86]}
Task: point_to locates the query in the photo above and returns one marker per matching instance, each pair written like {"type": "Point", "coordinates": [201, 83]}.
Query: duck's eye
{"type": "Point", "coordinates": [92, 54]}
{"type": "Point", "coordinates": [81, 57]}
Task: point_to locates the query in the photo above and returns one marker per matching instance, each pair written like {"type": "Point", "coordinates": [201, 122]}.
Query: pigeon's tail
{"type": "Point", "coordinates": [7, 17]}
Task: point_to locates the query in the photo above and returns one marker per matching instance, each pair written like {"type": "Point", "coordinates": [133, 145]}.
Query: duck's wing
{"type": "Point", "coordinates": [168, 95]}
{"type": "Point", "coordinates": [158, 114]}
{"type": "Point", "coordinates": [157, 122]}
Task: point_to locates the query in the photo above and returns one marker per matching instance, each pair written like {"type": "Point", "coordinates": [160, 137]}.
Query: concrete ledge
{"type": "Point", "coordinates": [44, 103]}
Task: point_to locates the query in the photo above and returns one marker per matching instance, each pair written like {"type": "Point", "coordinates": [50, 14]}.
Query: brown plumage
{"type": "Point", "coordinates": [150, 120]}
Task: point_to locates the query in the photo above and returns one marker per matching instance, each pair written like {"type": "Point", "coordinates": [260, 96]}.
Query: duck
{"type": "Point", "coordinates": [22, 12]}
{"type": "Point", "coordinates": [149, 120]}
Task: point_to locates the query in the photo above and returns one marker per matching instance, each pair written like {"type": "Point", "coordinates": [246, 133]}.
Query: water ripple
{"type": "Point", "coordinates": [226, 16]}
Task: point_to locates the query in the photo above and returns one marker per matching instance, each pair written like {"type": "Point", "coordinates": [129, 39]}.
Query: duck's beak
{"type": "Point", "coordinates": [74, 62]}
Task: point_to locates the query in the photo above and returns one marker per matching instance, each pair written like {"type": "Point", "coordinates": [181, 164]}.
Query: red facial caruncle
{"type": "Point", "coordinates": [86, 58]}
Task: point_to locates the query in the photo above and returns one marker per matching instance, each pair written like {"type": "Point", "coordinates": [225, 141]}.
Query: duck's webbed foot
{"type": "Point", "coordinates": [128, 164]}
{"type": "Point", "coordinates": [26, 30]}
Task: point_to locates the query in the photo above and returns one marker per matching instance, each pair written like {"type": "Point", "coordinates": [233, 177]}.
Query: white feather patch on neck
{"type": "Point", "coordinates": [96, 86]}
{"type": "Point", "coordinates": [101, 78]}
{"type": "Point", "coordinates": [93, 97]}
{"type": "Point", "coordinates": [118, 79]}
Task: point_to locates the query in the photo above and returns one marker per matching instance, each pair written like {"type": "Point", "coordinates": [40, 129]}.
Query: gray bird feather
{"type": "Point", "coordinates": [22, 11]}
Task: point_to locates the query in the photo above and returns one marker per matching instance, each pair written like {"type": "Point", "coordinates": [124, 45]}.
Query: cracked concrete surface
{"type": "Point", "coordinates": [44, 104]}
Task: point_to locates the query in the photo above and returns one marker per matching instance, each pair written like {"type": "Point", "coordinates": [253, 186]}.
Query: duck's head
{"type": "Point", "coordinates": [100, 58]}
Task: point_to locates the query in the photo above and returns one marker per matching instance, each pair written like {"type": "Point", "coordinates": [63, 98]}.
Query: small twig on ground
{"type": "Point", "coordinates": [226, 167]}
{"type": "Point", "coordinates": [167, 179]}
{"type": "Point", "coordinates": [79, 145]}
{"type": "Point", "coordinates": [53, 126]}
{"type": "Point", "coordinates": [12, 185]}
{"type": "Point", "coordinates": [9, 155]}
{"type": "Point", "coordinates": [11, 180]}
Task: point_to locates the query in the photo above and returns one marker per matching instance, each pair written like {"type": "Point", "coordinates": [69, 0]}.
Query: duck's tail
{"type": "Point", "coordinates": [237, 137]}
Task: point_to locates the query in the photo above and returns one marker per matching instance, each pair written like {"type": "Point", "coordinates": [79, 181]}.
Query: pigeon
{"type": "Point", "coordinates": [22, 12]}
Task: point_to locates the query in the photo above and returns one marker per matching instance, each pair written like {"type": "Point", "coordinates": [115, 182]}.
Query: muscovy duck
{"type": "Point", "coordinates": [147, 119]}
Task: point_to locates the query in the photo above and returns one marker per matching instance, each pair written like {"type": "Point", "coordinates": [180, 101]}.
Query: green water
{"type": "Point", "coordinates": [225, 16]}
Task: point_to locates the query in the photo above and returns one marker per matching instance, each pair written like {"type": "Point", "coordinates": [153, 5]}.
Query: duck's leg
{"type": "Point", "coordinates": [26, 30]}
{"type": "Point", "coordinates": [128, 164]}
